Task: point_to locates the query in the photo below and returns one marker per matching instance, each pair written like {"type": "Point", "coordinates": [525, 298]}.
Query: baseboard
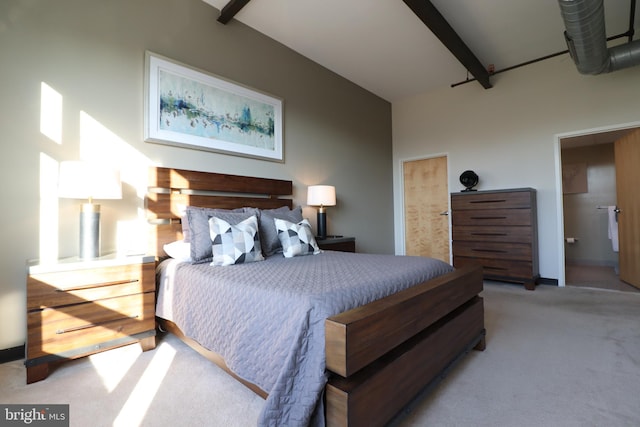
{"type": "Point", "coordinates": [11, 354]}
{"type": "Point", "coordinates": [547, 281]}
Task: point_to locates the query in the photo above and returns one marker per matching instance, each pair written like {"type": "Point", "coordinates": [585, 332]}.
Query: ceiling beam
{"type": "Point", "coordinates": [230, 9]}
{"type": "Point", "coordinates": [428, 14]}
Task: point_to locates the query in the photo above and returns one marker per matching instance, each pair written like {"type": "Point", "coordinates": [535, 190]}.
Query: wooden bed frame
{"type": "Point", "coordinates": [380, 355]}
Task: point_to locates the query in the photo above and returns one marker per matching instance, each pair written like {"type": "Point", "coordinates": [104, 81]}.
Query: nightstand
{"type": "Point", "coordinates": [342, 244]}
{"type": "Point", "coordinates": [76, 308]}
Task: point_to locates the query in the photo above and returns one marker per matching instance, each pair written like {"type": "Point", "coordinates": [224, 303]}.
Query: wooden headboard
{"type": "Point", "coordinates": [170, 190]}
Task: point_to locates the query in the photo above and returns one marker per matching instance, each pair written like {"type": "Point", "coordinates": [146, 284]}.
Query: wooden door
{"type": "Point", "coordinates": [627, 155]}
{"type": "Point", "coordinates": [426, 205]}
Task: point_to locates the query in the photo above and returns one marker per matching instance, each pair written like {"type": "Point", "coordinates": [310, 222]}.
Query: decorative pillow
{"type": "Point", "coordinates": [253, 211]}
{"type": "Point", "coordinates": [179, 250]}
{"type": "Point", "coordinates": [199, 237]}
{"type": "Point", "coordinates": [296, 239]}
{"type": "Point", "coordinates": [186, 234]}
{"type": "Point", "coordinates": [268, 232]}
{"type": "Point", "coordinates": [235, 244]}
{"type": "Point", "coordinates": [184, 219]}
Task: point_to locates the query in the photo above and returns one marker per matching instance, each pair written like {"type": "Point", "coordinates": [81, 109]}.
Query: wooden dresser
{"type": "Point", "coordinates": [498, 230]}
{"type": "Point", "coordinates": [76, 308]}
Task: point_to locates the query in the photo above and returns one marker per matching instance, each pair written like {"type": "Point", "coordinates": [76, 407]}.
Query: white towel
{"type": "Point", "coordinates": [613, 228]}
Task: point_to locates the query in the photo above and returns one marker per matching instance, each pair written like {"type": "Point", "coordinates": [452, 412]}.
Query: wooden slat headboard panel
{"type": "Point", "coordinates": [170, 190]}
{"type": "Point", "coordinates": [210, 181]}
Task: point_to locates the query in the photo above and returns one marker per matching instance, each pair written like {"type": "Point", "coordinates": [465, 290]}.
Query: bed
{"type": "Point", "coordinates": [378, 349]}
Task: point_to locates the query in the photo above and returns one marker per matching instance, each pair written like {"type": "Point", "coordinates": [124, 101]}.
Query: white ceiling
{"type": "Point", "coordinates": [383, 46]}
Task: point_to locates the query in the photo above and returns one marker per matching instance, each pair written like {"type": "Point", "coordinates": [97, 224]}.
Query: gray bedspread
{"type": "Point", "coordinates": [266, 319]}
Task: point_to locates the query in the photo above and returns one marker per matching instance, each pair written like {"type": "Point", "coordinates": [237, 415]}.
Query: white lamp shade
{"type": "Point", "coordinates": [86, 180]}
{"type": "Point", "coordinates": [321, 195]}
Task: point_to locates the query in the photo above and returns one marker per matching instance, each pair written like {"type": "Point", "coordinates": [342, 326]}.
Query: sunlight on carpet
{"type": "Point", "coordinates": [136, 406]}
{"type": "Point", "coordinates": [112, 367]}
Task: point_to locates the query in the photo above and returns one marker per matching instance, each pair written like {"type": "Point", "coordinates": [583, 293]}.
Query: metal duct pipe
{"type": "Point", "coordinates": [625, 56]}
{"type": "Point", "coordinates": [587, 39]}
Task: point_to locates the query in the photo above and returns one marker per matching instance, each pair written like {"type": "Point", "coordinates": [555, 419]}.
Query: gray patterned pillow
{"type": "Point", "coordinates": [268, 232]}
{"type": "Point", "coordinates": [235, 244]}
{"type": "Point", "coordinates": [198, 223]}
{"type": "Point", "coordinates": [296, 239]}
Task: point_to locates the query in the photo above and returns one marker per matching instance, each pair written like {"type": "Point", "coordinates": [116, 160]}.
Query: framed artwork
{"type": "Point", "coordinates": [187, 107]}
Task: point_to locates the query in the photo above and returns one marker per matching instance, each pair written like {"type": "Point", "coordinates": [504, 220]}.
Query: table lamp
{"type": "Point", "coordinates": [321, 196]}
{"type": "Point", "coordinates": [86, 180]}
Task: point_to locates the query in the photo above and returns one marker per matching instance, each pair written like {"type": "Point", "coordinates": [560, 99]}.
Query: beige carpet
{"type": "Point", "coordinates": [555, 357]}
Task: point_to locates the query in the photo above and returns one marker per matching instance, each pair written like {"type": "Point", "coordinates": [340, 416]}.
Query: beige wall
{"type": "Point", "coordinates": [509, 134]}
{"type": "Point", "coordinates": [90, 55]}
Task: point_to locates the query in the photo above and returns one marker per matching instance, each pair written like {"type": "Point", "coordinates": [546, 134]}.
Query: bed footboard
{"type": "Point", "coordinates": [383, 354]}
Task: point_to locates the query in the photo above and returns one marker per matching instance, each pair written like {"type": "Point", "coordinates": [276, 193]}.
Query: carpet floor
{"type": "Point", "coordinates": [555, 357]}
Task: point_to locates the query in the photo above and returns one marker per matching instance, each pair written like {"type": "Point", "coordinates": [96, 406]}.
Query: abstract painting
{"type": "Point", "coordinates": [188, 107]}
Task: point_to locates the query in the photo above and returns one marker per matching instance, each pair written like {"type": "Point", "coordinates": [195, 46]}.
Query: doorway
{"type": "Point", "coordinates": [589, 193]}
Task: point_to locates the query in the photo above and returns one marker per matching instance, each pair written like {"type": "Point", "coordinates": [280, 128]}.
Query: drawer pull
{"type": "Point", "coordinates": [489, 201]}
{"type": "Point", "coordinates": [489, 234]}
{"type": "Point", "coordinates": [497, 251]}
{"type": "Point", "coordinates": [488, 217]}
{"type": "Point", "coordinates": [496, 268]}
{"type": "Point", "coordinates": [93, 325]}
{"type": "Point", "coordinates": [97, 285]}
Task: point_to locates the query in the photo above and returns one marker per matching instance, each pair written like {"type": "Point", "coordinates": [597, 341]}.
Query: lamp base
{"type": "Point", "coordinates": [89, 231]}
{"type": "Point", "coordinates": [322, 224]}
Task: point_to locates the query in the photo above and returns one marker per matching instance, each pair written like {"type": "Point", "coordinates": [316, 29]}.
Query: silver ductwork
{"type": "Point", "coordinates": [587, 39]}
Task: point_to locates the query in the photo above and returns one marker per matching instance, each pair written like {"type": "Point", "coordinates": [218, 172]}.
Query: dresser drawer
{"type": "Point", "coordinates": [73, 287]}
{"type": "Point", "coordinates": [491, 233]}
{"type": "Point", "coordinates": [499, 268]}
{"type": "Point", "coordinates": [494, 250]}
{"type": "Point", "coordinates": [495, 217]}
{"type": "Point", "coordinates": [495, 200]}
{"type": "Point", "coordinates": [75, 327]}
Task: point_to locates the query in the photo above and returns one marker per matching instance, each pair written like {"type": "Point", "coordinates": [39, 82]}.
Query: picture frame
{"type": "Point", "coordinates": [191, 108]}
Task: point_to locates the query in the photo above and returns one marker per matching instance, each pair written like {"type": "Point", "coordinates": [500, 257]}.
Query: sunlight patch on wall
{"type": "Point", "coordinates": [49, 209]}
{"type": "Point", "coordinates": [132, 236]}
{"type": "Point", "coordinates": [50, 113]}
{"type": "Point", "coordinates": [98, 143]}
{"type": "Point", "coordinates": [140, 399]}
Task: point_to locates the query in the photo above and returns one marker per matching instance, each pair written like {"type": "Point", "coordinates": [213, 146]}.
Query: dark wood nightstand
{"type": "Point", "coordinates": [342, 244]}
{"type": "Point", "coordinates": [76, 308]}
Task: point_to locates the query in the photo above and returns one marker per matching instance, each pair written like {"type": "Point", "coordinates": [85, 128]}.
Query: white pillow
{"type": "Point", "coordinates": [179, 250]}
{"type": "Point", "coordinates": [296, 239]}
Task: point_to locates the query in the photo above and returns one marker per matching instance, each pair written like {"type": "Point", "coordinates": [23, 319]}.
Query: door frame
{"type": "Point", "coordinates": [559, 199]}
{"type": "Point", "coordinates": [400, 234]}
